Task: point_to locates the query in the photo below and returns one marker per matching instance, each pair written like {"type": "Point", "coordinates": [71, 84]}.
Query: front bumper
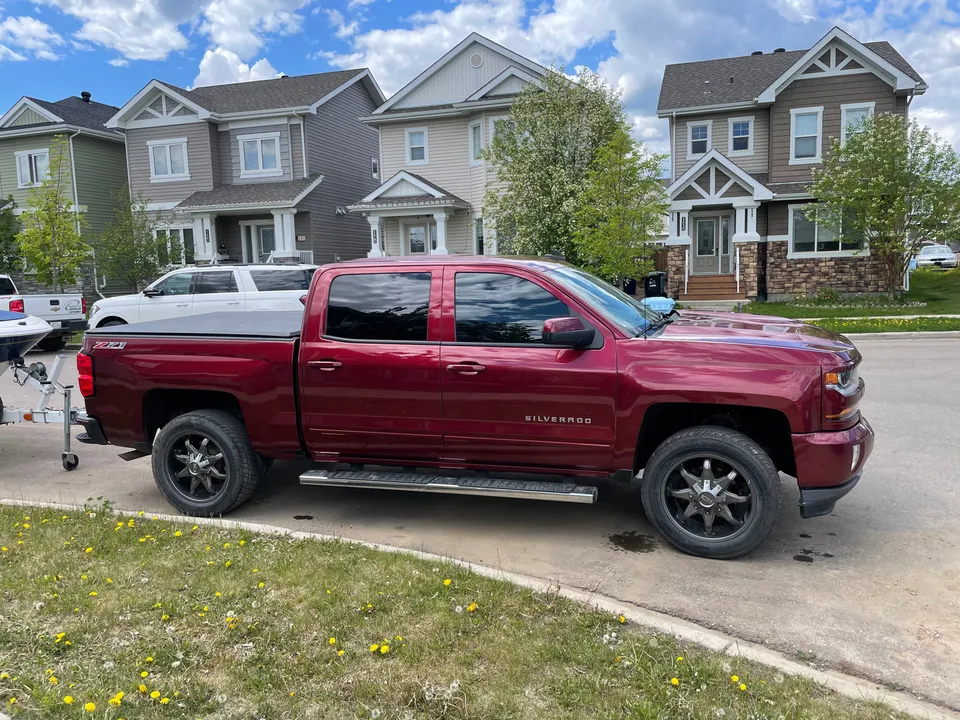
{"type": "Point", "coordinates": [829, 465]}
{"type": "Point", "coordinates": [945, 262]}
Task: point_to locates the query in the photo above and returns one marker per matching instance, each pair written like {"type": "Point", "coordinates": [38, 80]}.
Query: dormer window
{"type": "Point", "coordinates": [699, 141]}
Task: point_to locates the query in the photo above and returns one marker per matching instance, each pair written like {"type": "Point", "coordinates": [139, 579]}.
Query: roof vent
{"type": "Point", "coordinates": [85, 96]}
{"type": "Point", "coordinates": [476, 60]}
{"type": "Point", "coordinates": [281, 76]}
{"type": "Point", "coordinates": [731, 80]}
{"type": "Point", "coordinates": [780, 50]}
{"type": "Point", "coordinates": [757, 52]}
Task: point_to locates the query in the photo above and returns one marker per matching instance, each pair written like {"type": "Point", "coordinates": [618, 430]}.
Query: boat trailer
{"type": "Point", "coordinates": [46, 385]}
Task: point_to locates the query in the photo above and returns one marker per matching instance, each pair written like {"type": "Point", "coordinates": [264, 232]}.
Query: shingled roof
{"type": "Point", "coordinates": [74, 111]}
{"type": "Point", "coordinates": [708, 82]}
{"type": "Point", "coordinates": [279, 93]}
{"type": "Point", "coordinates": [266, 194]}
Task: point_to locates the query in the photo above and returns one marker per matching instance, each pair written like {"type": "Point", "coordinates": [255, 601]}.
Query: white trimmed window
{"type": "Point", "coordinates": [476, 142]}
{"type": "Point", "coordinates": [740, 140]}
{"type": "Point", "coordinates": [498, 121]}
{"type": "Point", "coordinates": [809, 238]}
{"type": "Point", "coordinates": [699, 139]}
{"type": "Point", "coordinates": [168, 160]}
{"type": "Point", "coordinates": [260, 155]}
{"type": "Point", "coordinates": [853, 116]}
{"type": "Point", "coordinates": [33, 167]}
{"type": "Point", "coordinates": [416, 142]}
{"type": "Point", "coordinates": [177, 248]}
{"type": "Point", "coordinates": [375, 168]}
{"type": "Point", "coordinates": [806, 135]}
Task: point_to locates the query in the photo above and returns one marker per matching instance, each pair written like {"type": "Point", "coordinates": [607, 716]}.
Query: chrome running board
{"type": "Point", "coordinates": [491, 487]}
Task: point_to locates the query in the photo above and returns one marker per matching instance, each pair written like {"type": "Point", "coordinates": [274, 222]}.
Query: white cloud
{"type": "Point", "coordinates": [119, 62]}
{"type": "Point", "coordinates": [9, 54]}
{"type": "Point", "coordinates": [30, 35]}
{"type": "Point", "coordinates": [796, 10]}
{"type": "Point", "coordinates": [241, 25]}
{"type": "Point", "coordinates": [338, 21]}
{"type": "Point", "coordinates": [220, 66]}
{"type": "Point", "coordinates": [354, 4]}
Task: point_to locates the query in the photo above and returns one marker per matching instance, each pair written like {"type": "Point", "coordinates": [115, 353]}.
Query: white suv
{"type": "Point", "coordinates": [211, 288]}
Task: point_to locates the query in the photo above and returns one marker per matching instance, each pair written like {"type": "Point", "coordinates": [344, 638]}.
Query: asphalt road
{"type": "Point", "coordinates": [872, 589]}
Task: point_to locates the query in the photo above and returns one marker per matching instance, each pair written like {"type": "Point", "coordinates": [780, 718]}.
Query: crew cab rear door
{"type": "Point", "coordinates": [370, 364]}
{"type": "Point", "coordinates": [508, 399]}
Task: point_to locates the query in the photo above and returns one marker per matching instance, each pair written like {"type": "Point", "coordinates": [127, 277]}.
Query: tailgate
{"type": "Point", "coordinates": [56, 308]}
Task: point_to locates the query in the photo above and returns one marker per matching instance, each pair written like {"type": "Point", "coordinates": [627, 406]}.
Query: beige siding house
{"type": "Point", "coordinates": [96, 158]}
{"type": "Point", "coordinates": [255, 171]}
{"type": "Point", "coordinates": [746, 133]}
{"type": "Point", "coordinates": [432, 134]}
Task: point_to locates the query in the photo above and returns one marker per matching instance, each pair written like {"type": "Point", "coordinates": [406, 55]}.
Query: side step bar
{"type": "Point", "coordinates": [491, 487]}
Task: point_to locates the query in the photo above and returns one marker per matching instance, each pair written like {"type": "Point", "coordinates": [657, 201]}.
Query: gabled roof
{"type": "Point", "coordinates": [430, 194]}
{"type": "Point", "coordinates": [71, 111]}
{"type": "Point", "coordinates": [300, 92]}
{"type": "Point", "coordinates": [252, 195]}
{"type": "Point", "coordinates": [519, 60]}
{"type": "Point", "coordinates": [760, 191]}
{"type": "Point", "coordinates": [708, 83]}
{"type": "Point", "coordinates": [510, 72]}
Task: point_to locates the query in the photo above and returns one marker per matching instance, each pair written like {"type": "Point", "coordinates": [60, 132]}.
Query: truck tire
{"type": "Point", "coordinates": [712, 492]}
{"type": "Point", "coordinates": [203, 463]}
{"type": "Point", "coordinates": [53, 344]}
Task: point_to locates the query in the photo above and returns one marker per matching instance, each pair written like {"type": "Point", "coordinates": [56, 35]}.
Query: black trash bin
{"type": "Point", "coordinates": [655, 284]}
{"type": "Point", "coordinates": [630, 286]}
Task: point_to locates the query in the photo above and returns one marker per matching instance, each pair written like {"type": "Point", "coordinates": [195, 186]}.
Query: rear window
{"type": "Point", "coordinates": [293, 279]}
{"type": "Point", "coordinates": [6, 286]}
{"type": "Point", "coordinates": [379, 307]}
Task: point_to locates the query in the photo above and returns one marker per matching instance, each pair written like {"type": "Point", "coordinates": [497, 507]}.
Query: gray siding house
{"type": "Point", "coordinates": [252, 171]}
{"type": "Point", "coordinates": [97, 164]}
{"type": "Point", "coordinates": [432, 135]}
{"type": "Point", "coordinates": [746, 133]}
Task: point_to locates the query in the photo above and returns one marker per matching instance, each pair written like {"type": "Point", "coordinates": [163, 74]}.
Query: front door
{"type": "Point", "coordinates": [370, 383]}
{"type": "Point", "coordinates": [268, 241]}
{"type": "Point", "coordinates": [509, 400]}
{"type": "Point", "coordinates": [706, 259]}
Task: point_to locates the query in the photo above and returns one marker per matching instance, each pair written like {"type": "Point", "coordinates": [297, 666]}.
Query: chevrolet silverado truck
{"type": "Point", "coordinates": [66, 314]}
{"type": "Point", "coordinates": [519, 378]}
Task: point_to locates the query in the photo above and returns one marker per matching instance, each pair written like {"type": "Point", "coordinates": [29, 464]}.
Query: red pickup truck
{"type": "Point", "coordinates": [490, 376]}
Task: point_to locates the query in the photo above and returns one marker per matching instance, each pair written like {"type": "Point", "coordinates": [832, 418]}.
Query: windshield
{"type": "Point", "coordinates": [935, 250]}
{"type": "Point", "coordinates": [624, 311]}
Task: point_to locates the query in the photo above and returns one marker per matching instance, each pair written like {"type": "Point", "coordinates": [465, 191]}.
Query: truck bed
{"type": "Point", "coordinates": [263, 324]}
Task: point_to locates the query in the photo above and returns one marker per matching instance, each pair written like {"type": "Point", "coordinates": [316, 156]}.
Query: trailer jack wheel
{"type": "Point", "coordinates": [70, 461]}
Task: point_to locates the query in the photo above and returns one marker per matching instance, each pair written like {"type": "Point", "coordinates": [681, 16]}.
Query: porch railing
{"type": "Point", "coordinates": [738, 271]}
{"type": "Point", "coordinates": [686, 269]}
{"type": "Point", "coordinates": [304, 257]}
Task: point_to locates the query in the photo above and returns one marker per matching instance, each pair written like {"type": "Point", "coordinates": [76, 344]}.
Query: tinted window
{"type": "Point", "coordinates": [6, 286]}
{"type": "Point", "coordinates": [379, 306]}
{"type": "Point", "coordinates": [495, 308]}
{"type": "Point", "coordinates": [178, 284]}
{"type": "Point", "coordinates": [216, 282]}
{"type": "Point", "coordinates": [294, 279]}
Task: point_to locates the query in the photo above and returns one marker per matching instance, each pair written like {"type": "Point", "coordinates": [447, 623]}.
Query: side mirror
{"type": "Point", "coordinates": [152, 293]}
{"type": "Point", "coordinates": [567, 332]}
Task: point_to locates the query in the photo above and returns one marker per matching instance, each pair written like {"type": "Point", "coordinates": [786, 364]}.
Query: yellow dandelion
{"type": "Point", "coordinates": [164, 700]}
{"type": "Point", "coordinates": [90, 707]}
{"type": "Point", "coordinates": [674, 681]}
{"type": "Point", "coordinates": [621, 619]}
{"type": "Point", "coordinates": [260, 584]}
{"type": "Point", "coordinates": [217, 594]}
{"type": "Point", "coordinates": [93, 593]}
{"type": "Point", "coordinates": [339, 653]}
{"type": "Point", "coordinates": [374, 647]}
{"type": "Point", "coordinates": [384, 649]}
{"type": "Point", "coordinates": [3, 548]}
{"type": "Point", "coordinates": [292, 693]}
{"type": "Point", "coordinates": [242, 543]}
{"type": "Point", "coordinates": [743, 687]}
{"type": "Point", "coordinates": [13, 701]}
{"type": "Point", "coordinates": [109, 581]}
{"type": "Point", "coordinates": [256, 570]}
{"type": "Point", "coordinates": [142, 688]}
{"type": "Point", "coordinates": [115, 700]}
{"type": "Point", "coordinates": [164, 617]}
{"type": "Point", "coordinates": [149, 658]}
{"type": "Point", "coordinates": [226, 545]}
{"type": "Point", "coordinates": [155, 694]}
{"type": "Point", "coordinates": [734, 678]}
{"type": "Point", "coordinates": [130, 522]}
{"type": "Point", "coordinates": [332, 641]}
{"type": "Point", "coordinates": [26, 526]}
{"type": "Point", "coordinates": [178, 533]}
{"type": "Point", "coordinates": [398, 638]}
{"type": "Point", "coordinates": [140, 513]}
{"type": "Point", "coordinates": [68, 700]}
{"type": "Point", "coordinates": [679, 658]}
{"type": "Point", "coordinates": [144, 674]}
{"type": "Point", "coordinates": [472, 607]}
{"type": "Point", "coordinates": [88, 550]}
{"type": "Point", "coordinates": [227, 563]}
{"type": "Point", "coordinates": [83, 577]}
{"type": "Point", "coordinates": [53, 680]}
{"type": "Point", "coordinates": [195, 528]}
{"type": "Point", "coordinates": [446, 583]}
{"type": "Point", "coordinates": [4, 676]}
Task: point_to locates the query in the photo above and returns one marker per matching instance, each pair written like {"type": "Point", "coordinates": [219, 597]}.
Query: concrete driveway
{"type": "Point", "coordinates": [873, 589]}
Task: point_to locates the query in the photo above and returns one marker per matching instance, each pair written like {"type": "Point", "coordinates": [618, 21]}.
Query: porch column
{"type": "Point", "coordinates": [375, 250]}
{"type": "Point", "coordinates": [746, 229]}
{"type": "Point", "coordinates": [679, 224]}
{"type": "Point", "coordinates": [204, 237]}
{"type": "Point", "coordinates": [284, 233]}
{"type": "Point", "coordinates": [441, 219]}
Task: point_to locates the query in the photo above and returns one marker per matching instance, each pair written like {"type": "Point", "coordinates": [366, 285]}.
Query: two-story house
{"type": "Point", "coordinates": [745, 134]}
{"type": "Point", "coordinates": [96, 157]}
{"type": "Point", "coordinates": [432, 135]}
{"type": "Point", "coordinates": [249, 171]}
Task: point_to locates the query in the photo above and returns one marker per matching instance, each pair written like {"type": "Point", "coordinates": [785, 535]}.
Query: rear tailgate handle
{"type": "Point", "coordinates": [467, 368]}
{"type": "Point", "coordinates": [325, 365]}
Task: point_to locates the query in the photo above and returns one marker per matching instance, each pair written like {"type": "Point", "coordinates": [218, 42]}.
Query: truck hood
{"type": "Point", "coordinates": [746, 329]}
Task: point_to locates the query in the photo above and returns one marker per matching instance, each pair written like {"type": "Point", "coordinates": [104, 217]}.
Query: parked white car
{"type": "Point", "coordinates": [937, 256]}
{"type": "Point", "coordinates": [211, 288]}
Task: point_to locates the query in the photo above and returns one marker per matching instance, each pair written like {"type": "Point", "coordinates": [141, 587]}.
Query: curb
{"type": "Point", "coordinates": [846, 685]}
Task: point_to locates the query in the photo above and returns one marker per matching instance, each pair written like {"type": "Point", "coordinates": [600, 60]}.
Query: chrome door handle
{"type": "Point", "coordinates": [467, 368]}
{"type": "Point", "coordinates": [325, 365]}
{"type": "Point", "coordinates": [237, 302]}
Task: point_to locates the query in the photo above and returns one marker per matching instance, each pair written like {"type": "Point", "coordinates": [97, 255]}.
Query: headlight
{"type": "Point", "coordinates": [846, 382]}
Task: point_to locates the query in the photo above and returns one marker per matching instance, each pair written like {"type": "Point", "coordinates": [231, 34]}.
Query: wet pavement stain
{"type": "Point", "coordinates": [303, 517]}
{"type": "Point", "coordinates": [803, 558]}
{"type": "Point", "coordinates": [632, 541]}
{"type": "Point", "coordinates": [805, 536]}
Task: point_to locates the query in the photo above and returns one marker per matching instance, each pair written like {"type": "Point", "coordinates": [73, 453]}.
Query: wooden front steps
{"type": "Point", "coordinates": [712, 287]}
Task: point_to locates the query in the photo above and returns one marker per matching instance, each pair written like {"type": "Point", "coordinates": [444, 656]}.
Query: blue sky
{"type": "Point", "coordinates": [53, 48]}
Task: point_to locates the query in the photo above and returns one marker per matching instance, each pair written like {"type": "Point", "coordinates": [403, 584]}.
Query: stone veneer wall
{"type": "Point", "coordinates": [749, 268]}
{"type": "Point", "coordinates": [791, 278]}
{"type": "Point", "coordinates": [675, 259]}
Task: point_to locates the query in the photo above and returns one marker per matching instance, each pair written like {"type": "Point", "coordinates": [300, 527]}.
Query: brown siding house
{"type": "Point", "coordinates": [746, 134]}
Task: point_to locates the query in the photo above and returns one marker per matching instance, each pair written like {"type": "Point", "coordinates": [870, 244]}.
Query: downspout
{"type": "Point", "coordinates": [303, 141]}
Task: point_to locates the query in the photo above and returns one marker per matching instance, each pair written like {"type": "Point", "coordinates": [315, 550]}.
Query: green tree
{"type": "Point", "coordinates": [50, 239]}
{"type": "Point", "coordinates": [127, 250]}
{"type": "Point", "coordinates": [10, 258]}
{"type": "Point", "coordinates": [621, 209]}
{"type": "Point", "coordinates": [894, 184]}
{"type": "Point", "coordinates": [542, 157]}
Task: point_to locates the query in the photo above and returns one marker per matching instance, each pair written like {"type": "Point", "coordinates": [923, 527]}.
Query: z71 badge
{"type": "Point", "coordinates": [104, 345]}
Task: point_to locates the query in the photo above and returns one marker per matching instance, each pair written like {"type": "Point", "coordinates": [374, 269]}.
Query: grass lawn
{"type": "Point", "coordinates": [940, 290]}
{"type": "Point", "coordinates": [105, 617]}
{"type": "Point", "coordinates": [869, 325]}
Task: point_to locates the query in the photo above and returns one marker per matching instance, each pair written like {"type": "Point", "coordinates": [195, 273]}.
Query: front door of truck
{"type": "Point", "coordinates": [508, 399]}
{"type": "Point", "coordinates": [370, 374]}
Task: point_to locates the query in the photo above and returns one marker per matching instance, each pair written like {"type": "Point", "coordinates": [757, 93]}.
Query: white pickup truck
{"type": "Point", "coordinates": [66, 314]}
